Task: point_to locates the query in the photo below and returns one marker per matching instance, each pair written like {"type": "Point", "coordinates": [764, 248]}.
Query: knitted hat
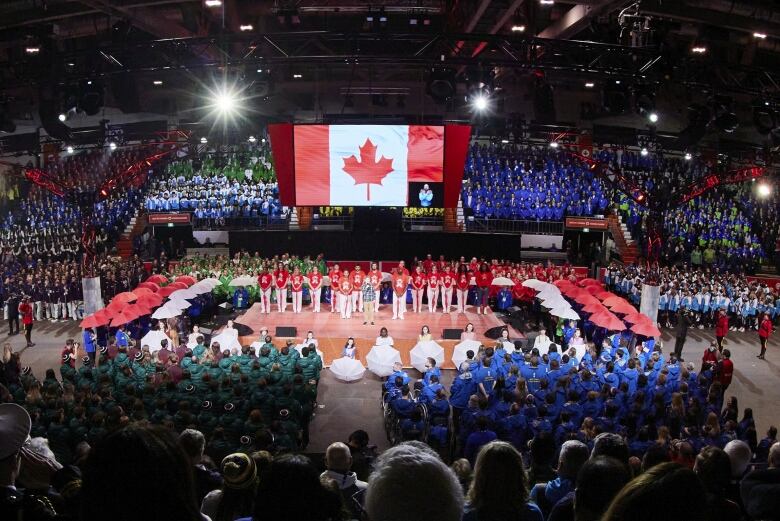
{"type": "Point", "coordinates": [139, 356]}
{"type": "Point", "coordinates": [206, 405]}
{"type": "Point", "coordinates": [190, 388]}
{"type": "Point", "coordinates": [26, 370]}
{"type": "Point", "coordinates": [238, 471]}
{"type": "Point", "coordinates": [66, 357]}
{"type": "Point", "coordinates": [103, 350]}
{"type": "Point", "coordinates": [229, 407]}
{"type": "Point", "coordinates": [87, 360]}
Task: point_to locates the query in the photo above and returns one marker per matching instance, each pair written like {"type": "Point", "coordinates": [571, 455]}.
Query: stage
{"type": "Point", "coordinates": [332, 332]}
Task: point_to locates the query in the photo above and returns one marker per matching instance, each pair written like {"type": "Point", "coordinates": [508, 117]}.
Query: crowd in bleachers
{"type": "Point", "coordinates": [238, 189]}
{"type": "Point", "coordinates": [531, 183]}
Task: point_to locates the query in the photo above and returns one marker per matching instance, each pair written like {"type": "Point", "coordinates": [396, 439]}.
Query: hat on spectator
{"type": "Point", "coordinates": [238, 470]}
{"type": "Point", "coordinates": [15, 427]}
{"type": "Point", "coordinates": [66, 357]}
{"type": "Point", "coordinates": [86, 360]}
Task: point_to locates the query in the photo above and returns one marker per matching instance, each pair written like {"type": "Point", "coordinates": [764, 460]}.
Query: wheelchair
{"type": "Point", "coordinates": [393, 424]}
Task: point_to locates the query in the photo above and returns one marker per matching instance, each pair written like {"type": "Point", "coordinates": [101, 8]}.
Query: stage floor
{"type": "Point", "coordinates": [332, 332]}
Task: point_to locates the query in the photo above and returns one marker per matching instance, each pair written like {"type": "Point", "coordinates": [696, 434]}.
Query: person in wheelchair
{"type": "Point", "coordinates": [398, 371]}
{"type": "Point", "coordinates": [430, 371]}
{"type": "Point", "coordinates": [412, 428]}
{"type": "Point", "coordinates": [393, 388]}
{"type": "Point", "coordinates": [404, 406]}
{"type": "Point", "coordinates": [430, 389]}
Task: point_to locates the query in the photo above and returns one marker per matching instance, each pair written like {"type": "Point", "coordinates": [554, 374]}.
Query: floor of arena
{"type": "Point", "coordinates": [344, 407]}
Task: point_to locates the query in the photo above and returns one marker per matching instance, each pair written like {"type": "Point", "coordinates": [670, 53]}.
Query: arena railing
{"type": "Point", "coordinates": [489, 225]}
{"type": "Point", "coordinates": [242, 223]}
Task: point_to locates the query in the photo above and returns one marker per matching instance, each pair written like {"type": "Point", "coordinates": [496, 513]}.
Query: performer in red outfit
{"type": "Point", "coordinates": [447, 284]}
{"type": "Point", "coordinates": [315, 287]}
{"type": "Point", "coordinates": [357, 282]}
{"type": "Point", "coordinates": [345, 294]}
{"type": "Point", "coordinates": [335, 278]}
{"type": "Point", "coordinates": [266, 281]}
{"type": "Point", "coordinates": [400, 282]}
{"type": "Point", "coordinates": [462, 281]}
{"type": "Point", "coordinates": [281, 279]}
{"type": "Point", "coordinates": [296, 283]}
{"type": "Point", "coordinates": [484, 280]}
{"type": "Point", "coordinates": [433, 288]}
{"type": "Point", "coordinates": [418, 288]}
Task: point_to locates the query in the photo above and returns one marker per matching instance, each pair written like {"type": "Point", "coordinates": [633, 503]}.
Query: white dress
{"type": "Point", "coordinates": [384, 341]}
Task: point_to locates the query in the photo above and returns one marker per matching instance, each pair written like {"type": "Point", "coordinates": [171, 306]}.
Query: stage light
{"type": "Point", "coordinates": [297, 76]}
{"type": "Point", "coordinates": [252, 139]}
{"type": "Point", "coordinates": [546, 2]}
{"type": "Point", "coordinates": [32, 49]}
{"type": "Point", "coordinates": [760, 36]}
{"type": "Point", "coordinates": [617, 82]}
{"type": "Point", "coordinates": [112, 145]}
{"type": "Point", "coordinates": [643, 152]}
{"type": "Point", "coordinates": [224, 101]}
{"type": "Point", "coordinates": [688, 156]}
{"type": "Point", "coordinates": [518, 28]}
{"type": "Point", "coordinates": [157, 82]}
{"type": "Point", "coordinates": [262, 140]}
{"type": "Point", "coordinates": [212, 3]}
{"type": "Point", "coordinates": [69, 149]}
{"type": "Point", "coordinates": [553, 144]}
{"type": "Point", "coordinates": [505, 141]}
{"type": "Point", "coordinates": [764, 190]}
{"type": "Point", "coordinates": [62, 117]}
{"type": "Point", "coordinates": [698, 49]}
{"type": "Point", "coordinates": [589, 85]}
{"type": "Point", "coordinates": [653, 117]}
{"type": "Point", "coordinates": [203, 141]}
{"type": "Point", "coordinates": [247, 27]}
{"type": "Point", "coordinates": [480, 102]}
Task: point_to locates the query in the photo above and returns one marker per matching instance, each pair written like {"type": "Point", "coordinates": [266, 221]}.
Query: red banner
{"type": "Point", "coordinates": [169, 218]}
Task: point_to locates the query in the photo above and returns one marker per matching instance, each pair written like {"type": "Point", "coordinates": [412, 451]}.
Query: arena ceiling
{"type": "Point", "coordinates": [153, 55]}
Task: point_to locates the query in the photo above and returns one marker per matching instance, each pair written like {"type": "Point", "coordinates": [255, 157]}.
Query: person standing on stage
{"type": "Point", "coordinates": [369, 298]}
{"type": "Point", "coordinates": [402, 265]}
{"type": "Point", "coordinates": [375, 276]}
{"type": "Point", "coordinates": [462, 283]}
{"type": "Point", "coordinates": [721, 327]}
{"type": "Point", "coordinates": [296, 284]}
{"type": "Point", "coordinates": [433, 288]}
{"type": "Point", "coordinates": [345, 295]}
{"type": "Point", "coordinates": [484, 280]}
{"type": "Point", "coordinates": [447, 284]}
{"type": "Point", "coordinates": [315, 288]}
{"type": "Point", "coordinates": [400, 281]}
{"type": "Point", "coordinates": [335, 277]}
{"type": "Point", "coordinates": [265, 280]}
{"type": "Point", "coordinates": [357, 284]}
{"type": "Point", "coordinates": [764, 332]}
{"type": "Point", "coordinates": [418, 287]}
{"type": "Point", "coordinates": [26, 312]}
{"type": "Point", "coordinates": [281, 280]}
{"type": "Point", "coordinates": [468, 333]}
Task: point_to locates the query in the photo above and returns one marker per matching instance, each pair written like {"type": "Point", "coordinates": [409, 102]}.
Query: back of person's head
{"type": "Point", "coordinates": [573, 456]}
{"type": "Point", "coordinates": [193, 442]}
{"type": "Point", "coordinates": [774, 455]}
{"type": "Point", "coordinates": [598, 482]}
{"type": "Point", "coordinates": [138, 473]}
{"type": "Point", "coordinates": [240, 478]}
{"type": "Point", "coordinates": [654, 455]}
{"type": "Point", "coordinates": [740, 455]}
{"type": "Point", "coordinates": [338, 457]}
{"type": "Point", "coordinates": [667, 491]}
{"type": "Point", "coordinates": [389, 496]}
{"type": "Point", "coordinates": [500, 484]}
{"type": "Point", "coordinates": [292, 491]}
{"type": "Point", "coordinates": [713, 467]}
{"type": "Point", "coordinates": [612, 445]}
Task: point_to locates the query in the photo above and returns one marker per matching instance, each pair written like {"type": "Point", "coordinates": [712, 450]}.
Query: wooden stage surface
{"type": "Point", "coordinates": [332, 332]}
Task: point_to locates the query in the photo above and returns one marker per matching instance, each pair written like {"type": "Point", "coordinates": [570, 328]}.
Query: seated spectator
{"type": "Point", "coordinates": [760, 489]}
{"type": "Point", "coordinates": [338, 462]}
{"type": "Point", "coordinates": [572, 457]}
{"type": "Point", "coordinates": [598, 482]}
{"type": "Point", "coordinates": [714, 470]}
{"type": "Point", "coordinates": [236, 497]}
{"type": "Point", "coordinates": [390, 498]}
{"type": "Point", "coordinates": [193, 442]}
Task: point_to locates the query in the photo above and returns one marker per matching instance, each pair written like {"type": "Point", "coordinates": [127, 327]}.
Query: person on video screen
{"type": "Point", "coordinates": [426, 196]}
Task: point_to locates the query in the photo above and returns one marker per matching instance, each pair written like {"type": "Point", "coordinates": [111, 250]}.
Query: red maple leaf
{"type": "Point", "coordinates": [368, 170]}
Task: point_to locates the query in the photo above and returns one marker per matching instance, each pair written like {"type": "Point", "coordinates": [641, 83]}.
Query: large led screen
{"type": "Point", "coordinates": [367, 165]}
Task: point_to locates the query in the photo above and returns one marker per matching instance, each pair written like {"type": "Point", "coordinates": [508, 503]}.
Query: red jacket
{"type": "Point", "coordinates": [725, 372]}
{"type": "Point", "coordinates": [710, 358]}
{"type": "Point", "coordinates": [722, 326]}
{"type": "Point", "coordinates": [26, 311]}
{"type": "Point", "coordinates": [765, 329]}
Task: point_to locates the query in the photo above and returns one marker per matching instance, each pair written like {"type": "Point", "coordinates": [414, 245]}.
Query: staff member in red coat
{"type": "Point", "coordinates": [418, 288]}
{"type": "Point", "coordinates": [26, 312]}
{"type": "Point", "coordinates": [335, 278]}
{"type": "Point", "coordinates": [266, 281]}
{"type": "Point", "coordinates": [281, 280]}
{"type": "Point", "coordinates": [484, 280]}
{"type": "Point", "coordinates": [721, 327]}
{"type": "Point", "coordinates": [315, 287]}
{"type": "Point", "coordinates": [296, 284]}
{"type": "Point", "coordinates": [725, 371]}
{"type": "Point", "coordinates": [764, 331]}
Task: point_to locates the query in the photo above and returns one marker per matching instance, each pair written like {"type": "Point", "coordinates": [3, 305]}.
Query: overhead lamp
{"type": "Point", "coordinates": [247, 27]}
{"type": "Point", "coordinates": [546, 2]}
{"type": "Point", "coordinates": [62, 117]}
{"type": "Point", "coordinates": [297, 76]}
{"type": "Point", "coordinates": [698, 49]}
{"type": "Point", "coordinates": [518, 28]}
{"type": "Point", "coordinates": [157, 82]}
{"type": "Point", "coordinates": [553, 144]}
{"type": "Point", "coordinates": [212, 3]}
{"type": "Point", "coordinates": [69, 149]}
{"type": "Point", "coordinates": [760, 36]}
{"type": "Point", "coordinates": [764, 190]}
{"type": "Point", "coordinates": [504, 141]}
{"type": "Point", "coordinates": [480, 102]}
{"type": "Point", "coordinates": [644, 151]}
{"type": "Point", "coordinates": [112, 145]}
{"type": "Point", "coordinates": [203, 141]}
{"type": "Point", "coordinates": [32, 49]}
{"type": "Point", "coordinates": [589, 85]}
{"type": "Point", "coordinates": [688, 156]}
{"type": "Point", "coordinates": [252, 139]}
{"type": "Point", "coordinates": [653, 117]}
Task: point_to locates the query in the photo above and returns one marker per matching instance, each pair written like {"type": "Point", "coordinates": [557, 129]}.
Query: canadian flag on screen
{"type": "Point", "coordinates": [364, 165]}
